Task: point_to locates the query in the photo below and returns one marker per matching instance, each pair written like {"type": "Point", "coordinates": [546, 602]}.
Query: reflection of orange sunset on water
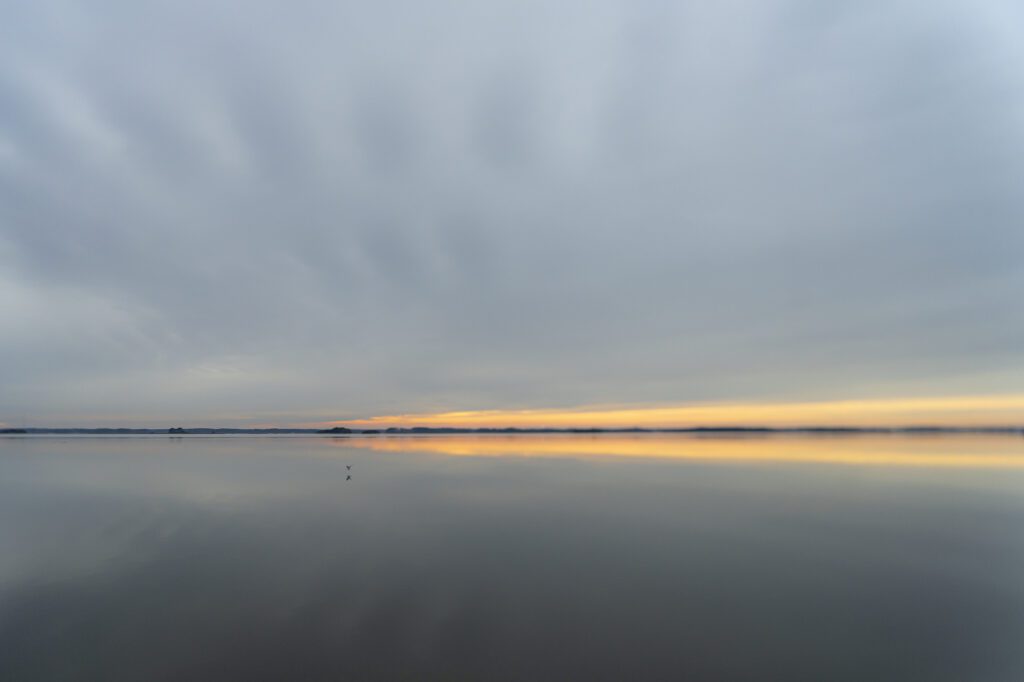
{"type": "Point", "coordinates": [991, 410]}
{"type": "Point", "coordinates": [968, 451]}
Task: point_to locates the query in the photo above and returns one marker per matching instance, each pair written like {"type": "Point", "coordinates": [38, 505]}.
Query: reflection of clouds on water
{"type": "Point", "coordinates": [960, 451]}
{"type": "Point", "coordinates": [448, 567]}
{"type": "Point", "coordinates": [196, 470]}
{"type": "Point", "coordinates": [102, 499]}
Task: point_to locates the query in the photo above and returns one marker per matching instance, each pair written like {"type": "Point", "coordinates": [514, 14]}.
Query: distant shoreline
{"type": "Point", "coordinates": [420, 430]}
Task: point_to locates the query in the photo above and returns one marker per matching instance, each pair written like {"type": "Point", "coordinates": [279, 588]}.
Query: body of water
{"type": "Point", "coordinates": [512, 558]}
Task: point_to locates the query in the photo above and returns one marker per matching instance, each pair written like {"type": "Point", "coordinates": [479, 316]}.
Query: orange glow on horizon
{"type": "Point", "coordinates": [998, 410]}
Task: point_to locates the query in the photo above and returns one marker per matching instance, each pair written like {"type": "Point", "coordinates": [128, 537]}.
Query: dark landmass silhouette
{"type": "Point", "coordinates": [429, 430]}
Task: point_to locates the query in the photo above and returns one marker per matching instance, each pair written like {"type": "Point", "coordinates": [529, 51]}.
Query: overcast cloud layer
{"type": "Point", "coordinates": [225, 212]}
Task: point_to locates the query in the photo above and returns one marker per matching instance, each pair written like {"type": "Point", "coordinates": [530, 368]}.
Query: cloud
{"type": "Point", "coordinates": [400, 208]}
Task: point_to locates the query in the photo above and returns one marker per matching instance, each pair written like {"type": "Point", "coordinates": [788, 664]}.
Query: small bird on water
{"type": "Point", "coordinates": [349, 467]}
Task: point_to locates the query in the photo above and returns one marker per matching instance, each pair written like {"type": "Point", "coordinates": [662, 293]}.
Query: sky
{"type": "Point", "coordinates": [263, 213]}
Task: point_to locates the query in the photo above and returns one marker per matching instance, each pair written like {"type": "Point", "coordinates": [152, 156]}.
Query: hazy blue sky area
{"type": "Point", "coordinates": [221, 212]}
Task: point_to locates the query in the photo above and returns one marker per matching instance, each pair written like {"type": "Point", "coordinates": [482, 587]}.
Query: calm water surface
{"type": "Point", "coordinates": [233, 558]}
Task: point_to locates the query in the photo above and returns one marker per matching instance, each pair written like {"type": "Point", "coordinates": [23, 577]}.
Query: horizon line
{"type": "Point", "coordinates": [413, 430]}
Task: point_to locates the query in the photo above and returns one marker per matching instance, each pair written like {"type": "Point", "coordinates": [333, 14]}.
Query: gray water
{"type": "Point", "coordinates": [555, 558]}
